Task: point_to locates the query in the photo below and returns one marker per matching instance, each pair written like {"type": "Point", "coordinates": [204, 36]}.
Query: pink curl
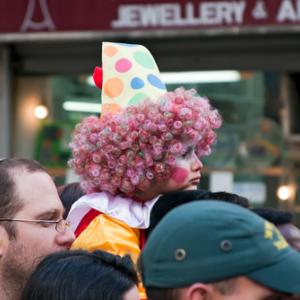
{"type": "Point", "coordinates": [126, 152]}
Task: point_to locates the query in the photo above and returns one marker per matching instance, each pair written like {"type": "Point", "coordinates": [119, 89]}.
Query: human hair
{"type": "Point", "coordinates": [125, 152]}
{"type": "Point", "coordinates": [68, 194]}
{"type": "Point", "coordinates": [228, 197]}
{"type": "Point", "coordinates": [81, 275]}
{"type": "Point", "coordinates": [169, 201]}
{"type": "Point", "coordinates": [275, 216]}
{"type": "Point", "coordinates": [229, 287]}
{"type": "Point", "coordinates": [154, 293]}
{"type": "Point", "coordinates": [10, 203]}
{"type": "Point", "coordinates": [225, 287]}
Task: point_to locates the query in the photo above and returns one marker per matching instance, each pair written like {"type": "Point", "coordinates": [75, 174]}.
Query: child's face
{"type": "Point", "coordinates": [185, 174]}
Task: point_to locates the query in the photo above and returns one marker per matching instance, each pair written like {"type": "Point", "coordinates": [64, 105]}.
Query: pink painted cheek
{"type": "Point", "coordinates": [179, 175]}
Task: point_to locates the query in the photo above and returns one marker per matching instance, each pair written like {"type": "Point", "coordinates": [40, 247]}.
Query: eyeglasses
{"type": "Point", "coordinates": [60, 225]}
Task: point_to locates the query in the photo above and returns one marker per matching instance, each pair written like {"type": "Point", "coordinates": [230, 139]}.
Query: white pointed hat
{"type": "Point", "coordinates": [129, 75]}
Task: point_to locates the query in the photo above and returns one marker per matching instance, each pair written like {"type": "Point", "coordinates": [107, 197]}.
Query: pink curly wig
{"type": "Point", "coordinates": [123, 153]}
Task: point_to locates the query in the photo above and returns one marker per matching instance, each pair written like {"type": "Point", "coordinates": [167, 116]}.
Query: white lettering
{"type": "Point", "coordinates": [238, 11]}
{"type": "Point", "coordinates": [189, 11]}
{"type": "Point", "coordinates": [127, 16]}
{"type": "Point", "coordinates": [224, 13]}
{"type": "Point", "coordinates": [298, 9]}
{"type": "Point", "coordinates": [170, 14]}
{"type": "Point", "coordinates": [164, 15]}
{"type": "Point", "coordinates": [149, 16]}
{"type": "Point", "coordinates": [260, 11]}
{"type": "Point", "coordinates": [286, 12]}
{"type": "Point", "coordinates": [207, 13]}
{"type": "Point", "coordinates": [216, 13]}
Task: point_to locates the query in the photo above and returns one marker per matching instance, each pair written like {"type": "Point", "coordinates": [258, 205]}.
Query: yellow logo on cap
{"type": "Point", "coordinates": [272, 233]}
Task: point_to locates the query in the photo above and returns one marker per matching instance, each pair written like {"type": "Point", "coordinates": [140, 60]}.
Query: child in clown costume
{"type": "Point", "coordinates": [147, 142]}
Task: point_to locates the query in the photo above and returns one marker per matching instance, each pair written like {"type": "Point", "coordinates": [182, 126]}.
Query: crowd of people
{"type": "Point", "coordinates": [137, 226]}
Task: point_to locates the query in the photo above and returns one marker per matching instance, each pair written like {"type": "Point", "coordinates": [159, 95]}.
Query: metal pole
{"type": "Point", "coordinates": [5, 102]}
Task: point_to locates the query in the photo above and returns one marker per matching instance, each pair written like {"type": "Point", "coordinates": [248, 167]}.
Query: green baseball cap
{"type": "Point", "coordinates": [209, 241]}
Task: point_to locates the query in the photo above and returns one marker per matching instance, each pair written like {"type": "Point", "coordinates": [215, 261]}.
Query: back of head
{"type": "Point", "coordinates": [69, 194]}
{"type": "Point", "coordinates": [275, 216]}
{"type": "Point", "coordinates": [169, 201]}
{"type": "Point", "coordinates": [80, 275]}
{"type": "Point", "coordinates": [228, 197]}
{"type": "Point", "coordinates": [210, 241]}
{"type": "Point", "coordinates": [10, 204]}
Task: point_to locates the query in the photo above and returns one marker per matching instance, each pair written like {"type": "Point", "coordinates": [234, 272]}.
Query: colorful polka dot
{"type": "Point", "coordinates": [144, 59]}
{"type": "Point", "coordinates": [137, 83]}
{"type": "Point", "coordinates": [123, 65]}
{"type": "Point", "coordinates": [130, 76]}
{"type": "Point", "coordinates": [110, 108]}
{"type": "Point", "coordinates": [113, 87]}
{"type": "Point", "coordinates": [137, 98]}
{"type": "Point", "coordinates": [156, 82]}
{"type": "Point", "coordinates": [110, 51]}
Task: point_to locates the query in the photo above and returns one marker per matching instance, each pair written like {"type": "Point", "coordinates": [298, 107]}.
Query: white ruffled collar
{"type": "Point", "coordinates": [135, 214]}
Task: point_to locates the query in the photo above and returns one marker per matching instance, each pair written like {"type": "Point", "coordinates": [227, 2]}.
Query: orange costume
{"type": "Point", "coordinates": [111, 223]}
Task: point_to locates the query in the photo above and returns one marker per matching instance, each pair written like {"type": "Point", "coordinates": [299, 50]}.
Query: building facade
{"type": "Point", "coordinates": [48, 48]}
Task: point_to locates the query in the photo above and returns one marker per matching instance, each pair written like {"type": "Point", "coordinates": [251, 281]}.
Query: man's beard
{"type": "Point", "coordinates": [17, 266]}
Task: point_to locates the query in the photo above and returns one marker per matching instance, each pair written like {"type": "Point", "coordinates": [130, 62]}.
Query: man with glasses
{"type": "Point", "coordinates": [212, 250]}
{"type": "Point", "coordinates": [31, 223]}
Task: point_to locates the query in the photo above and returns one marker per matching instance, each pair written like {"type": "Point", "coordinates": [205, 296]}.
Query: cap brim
{"type": "Point", "coordinates": [283, 276]}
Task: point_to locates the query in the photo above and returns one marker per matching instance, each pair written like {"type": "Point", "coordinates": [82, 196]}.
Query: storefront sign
{"type": "Point", "coordinates": [174, 14]}
{"type": "Point", "coordinates": [102, 15]}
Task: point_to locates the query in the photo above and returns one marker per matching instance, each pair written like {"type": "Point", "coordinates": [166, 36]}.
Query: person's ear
{"type": "Point", "coordinates": [198, 291]}
{"type": "Point", "coordinates": [4, 240]}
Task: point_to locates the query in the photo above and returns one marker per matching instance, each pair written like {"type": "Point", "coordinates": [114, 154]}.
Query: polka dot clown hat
{"type": "Point", "coordinates": [128, 75]}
